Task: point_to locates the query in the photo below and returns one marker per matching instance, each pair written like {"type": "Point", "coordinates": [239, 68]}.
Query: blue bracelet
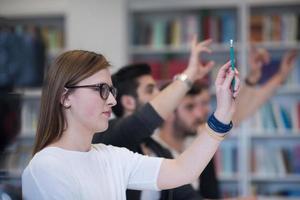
{"type": "Point", "coordinates": [218, 126]}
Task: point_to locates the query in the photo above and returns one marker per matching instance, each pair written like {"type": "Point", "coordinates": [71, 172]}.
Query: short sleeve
{"type": "Point", "coordinates": [141, 171]}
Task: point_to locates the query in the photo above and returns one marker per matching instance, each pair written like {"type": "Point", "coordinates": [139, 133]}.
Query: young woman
{"type": "Point", "coordinates": [76, 103]}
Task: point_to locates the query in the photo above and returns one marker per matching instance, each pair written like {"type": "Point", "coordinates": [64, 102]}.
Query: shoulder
{"type": "Point", "coordinates": [109, 149]}
{"type": "Point", "coordinates": [45, 157]}
{"type": "Point", "coordinates": [48, 175]}
{"type": "Point", "coordinates": [46, 162]}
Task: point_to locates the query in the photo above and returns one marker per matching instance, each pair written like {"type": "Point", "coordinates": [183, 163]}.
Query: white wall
{"type": "Point", "coordinates": [96, 25]}
{"type": "Point", "coordinates": [99, 25]}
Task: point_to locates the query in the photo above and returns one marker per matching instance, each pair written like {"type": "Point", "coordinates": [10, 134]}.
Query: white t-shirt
{"type": "Point", "coordinates": [105, 172]}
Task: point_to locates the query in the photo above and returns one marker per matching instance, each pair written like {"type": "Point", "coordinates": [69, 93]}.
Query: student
{"type": "Point", "coordinates": [141, 107]}
{"type": "Point", "coordinates": [137, 119]}
{"type": "Point", "coordinates": [137, 115]}
{"type": "Point", "coordinates": [191, 112]}
{"type": "Point", "coordinates": [76, 102]}
{"type": "Point", "coordinates": [194, 109]}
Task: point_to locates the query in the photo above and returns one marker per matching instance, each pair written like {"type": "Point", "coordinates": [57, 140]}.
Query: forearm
{"type": "Point", "coordinates": [167, 100]}
{"type": "Point", "coordinates": [245, 98]}
{"type": "Point", "coordinates": [189, 165]}
{"type": "Point", "coordinates": [251, 99]}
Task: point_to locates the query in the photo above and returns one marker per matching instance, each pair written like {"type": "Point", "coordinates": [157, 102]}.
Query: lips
{"type": "Point", "coordinates": [107, 114]}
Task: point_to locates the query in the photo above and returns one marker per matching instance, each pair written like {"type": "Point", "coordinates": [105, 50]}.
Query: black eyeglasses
{"type": "Point", "coordinates": [103, 88]}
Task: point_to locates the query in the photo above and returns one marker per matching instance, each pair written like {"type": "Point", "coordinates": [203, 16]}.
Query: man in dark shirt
{"type": "Point", "coordinates": [189, 115]}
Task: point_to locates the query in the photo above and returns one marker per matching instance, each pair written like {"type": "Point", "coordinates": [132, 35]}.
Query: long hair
{"type": "Point", "coordinates": [68, 69]}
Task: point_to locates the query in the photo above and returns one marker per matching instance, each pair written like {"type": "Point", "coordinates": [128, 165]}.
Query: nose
{"type": "Point", "coordinates": [198, 113]}
{"type": "Point", "coordinates": [111, 100]}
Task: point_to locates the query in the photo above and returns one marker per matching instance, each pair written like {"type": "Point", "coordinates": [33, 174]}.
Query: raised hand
{"type": "Point", "coordinates": [258, 57]}
{"type": "Point", "coordinates": [196, 69]}
{"type": "Point", "coordinates": [225, 97]}
{"type": "Point", "coordinates": [287, 64]}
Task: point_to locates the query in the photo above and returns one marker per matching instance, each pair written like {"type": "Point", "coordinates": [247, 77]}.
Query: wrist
{"type": "Point", "coordinates": [222, 117]}
{"type": "Point", "coordinates": [280, 78]}
{"type": "Point", "coordinates": [218, 126]}
{"type": "Point", "coordinates": [184, 78]}
{"type": "Point", "coordinates": [250, 82]}
{"type": "Point", "coordinates": [190, 75]}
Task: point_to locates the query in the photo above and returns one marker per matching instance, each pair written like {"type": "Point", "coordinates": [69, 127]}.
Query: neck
{"type": "Point", "coordinates": [75, 138]}
{"type": "Point", "coordinates": [168, 134]}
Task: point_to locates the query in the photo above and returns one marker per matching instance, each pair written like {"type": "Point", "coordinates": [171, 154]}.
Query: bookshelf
{"type": "Point", "coordinates": [16, 156]}
{"type": "Point", "coordinates": [151, 23]}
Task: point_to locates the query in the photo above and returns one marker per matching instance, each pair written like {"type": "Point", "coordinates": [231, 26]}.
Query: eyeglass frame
{"type": "Point", "coordinates": [112, 89]}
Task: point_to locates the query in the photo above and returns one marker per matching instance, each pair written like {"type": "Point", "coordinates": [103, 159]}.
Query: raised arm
{"type": "Point", "coordinates": [246, 104]}
{"type": "Point", "coordinates": [132, 130]}
{"type": "Point", "coordinates": [189, 165]}
{"type": "Point", "coordinates": [167, 100]}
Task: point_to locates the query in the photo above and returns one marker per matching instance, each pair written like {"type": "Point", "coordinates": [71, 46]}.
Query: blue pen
{"type": "Point", "coordinates": [232, 63]}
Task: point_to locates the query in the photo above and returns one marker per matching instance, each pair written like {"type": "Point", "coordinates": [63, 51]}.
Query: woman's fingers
{"type": "Point", "coordinates": [237, 86]}
{"type": "Point", "coordinates": [194, 42]}
{"type": "Point", "coordinates": [228, 79]}
{"type": "Point", "coordinates": [205, 42]}
{"type": "Point", "coordinates": [222, 73]}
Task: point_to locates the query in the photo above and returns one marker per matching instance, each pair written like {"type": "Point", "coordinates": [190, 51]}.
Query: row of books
{"type": "Point", "coordinates": [226, 162]}
{"type": "Point", "coordinates": [274, 161]}
{"type": "Point", "coordinates": [166, 69]}
{"type": "Point", "coordinates": [178, 30]}
{"type": "Point", "coordinates": [276, 118]}
{"type": "Point", "coordinates": [229, 191]}
{"type": "Point", "coordinates": [14, 160]}
{"type": "Point", "coordinates": [266, 161]}
{"type": "Point", "coordinates": [278, 28]}
{"type": "Point", "coordinates": [52, 36]}
{"type": "Point", "coordinates": [284, 191]}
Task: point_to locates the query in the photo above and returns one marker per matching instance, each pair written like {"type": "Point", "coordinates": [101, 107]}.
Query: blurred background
{"type": "Point", "coordinates": [262, 159]}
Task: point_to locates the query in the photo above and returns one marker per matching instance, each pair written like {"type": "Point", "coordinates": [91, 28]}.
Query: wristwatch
{"type": "Point", "coordinates": [184, 78]}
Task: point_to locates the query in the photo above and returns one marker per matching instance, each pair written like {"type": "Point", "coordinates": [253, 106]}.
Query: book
{"type": "Point", "coordinates": [228, 27]}
{"type": "Point", "coordinates": [175, 66]}
{"type": "Point", "coordinates": [256, 28]}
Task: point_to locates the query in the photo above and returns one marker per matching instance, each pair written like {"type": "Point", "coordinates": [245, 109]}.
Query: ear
{"type": "Point", "coordinates": [64, 100]}
{"type": "Point", "coordinates": [128, 102]}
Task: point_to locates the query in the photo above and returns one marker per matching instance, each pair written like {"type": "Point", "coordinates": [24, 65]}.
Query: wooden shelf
{"type": "Point", "coordinates": [228, 178]}
{"type": "Point", "coordinates": [30, 93]}
{"type": "Point", "coordinates": [289, 90]}
{"type": "Point", "coordinates": [144, 50]}
{"type": "Point", "coordinates": [139, 6]}
{"type": "Point", "coordinates": [278, 45]}
{"type": "Point", "coordinates": [284, 179]}
{"type": "Point", "coordinates": [291, 135]}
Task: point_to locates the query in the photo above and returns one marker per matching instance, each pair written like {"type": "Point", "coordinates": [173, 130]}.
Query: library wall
{"type": "Point", "coordinates": [85, 27]}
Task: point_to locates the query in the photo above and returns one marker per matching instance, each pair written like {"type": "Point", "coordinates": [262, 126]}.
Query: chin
{"type": "Point", "coordinates": [103, 127]}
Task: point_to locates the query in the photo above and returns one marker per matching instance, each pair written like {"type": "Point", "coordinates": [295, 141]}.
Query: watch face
{"type": "Point", "coordinates": [183, 77]}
